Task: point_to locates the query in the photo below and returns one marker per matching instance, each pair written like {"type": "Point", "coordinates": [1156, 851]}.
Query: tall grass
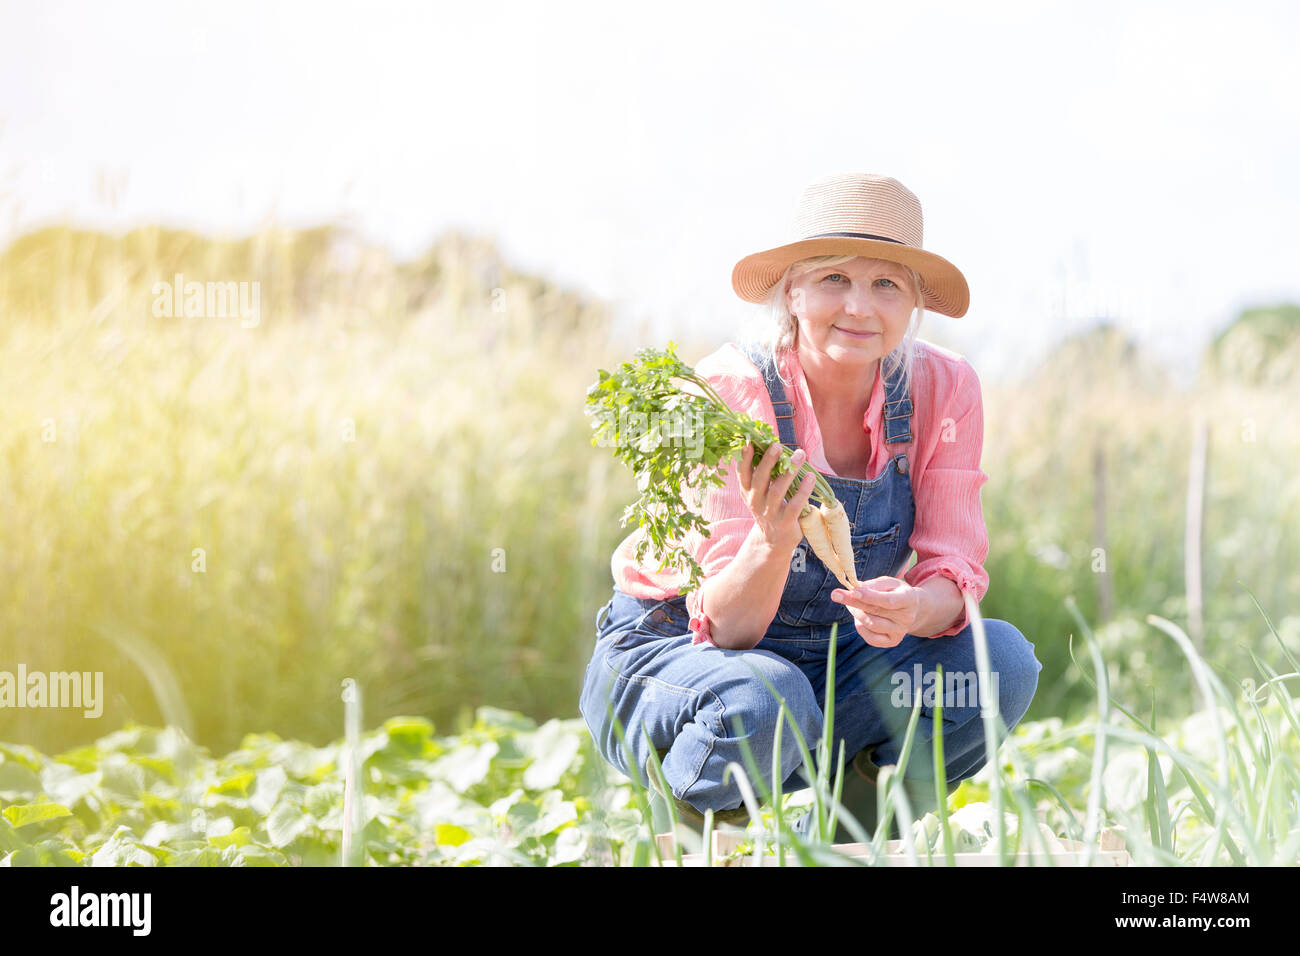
{"type": "Point", "coordinates": [1042, 434]}
{"type": "Point", "coordinates": [266, 510]}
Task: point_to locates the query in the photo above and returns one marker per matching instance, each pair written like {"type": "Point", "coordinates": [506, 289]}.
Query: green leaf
{"type": "Point", "coordinates": [159, 806]}
{"type": "Point", "coordinates": [28, 757]}
{"type": "Point", "coordinates": [554, 813]}
{"type": "Point", "coordinates": [9, 838]}
{"type": "Point", "coordinates": [1157, 803]}
{"type": "Point", "coordinates": [448, 834]}
{"type": "Point", "coordinates": [465, 767]}
{"type": "Point", "coordinates": [553, 749]}
{"type": "Point", "coordinates": [240, 836]}
{"type": "Point", "coordinates": [501, 806]}
{"type": "Point", "coordinates": [239, 784]}
{"type": "Point", "coordinates": [54, 852]}
{"type": "Point", "coordinates": [270, 784]}
{"type": "Point", "coordinates": [122, 850]}
{"type": "Point", "coordinates": [570, 847]}
{"type": "Point", "coordinates": [66, 785]}
{"type": "Point", "coordinates": [158, 765]}
{"type": "Point", "coordinates": [164, 834]}
{"type": "Point", "coordinates": [122, 777]}
{"type": "Point", "coordinates": [256, 855]}
{"type": "Point", "coordinates": [285, 824]}
{"type": "Point", "coordinates": [323, 800]}
{"type": "Point", "coordinates": [26, 856]}
{"type": "Point", "coordinates": [18, 781]}
{"type": "Point", "coordinates": [24, 814]}
{"type": "Point", "coordinates": [207, 856]}
{"type": "Point", "coordinates": [412, 734]}
{"type": "Point", "coordinates": [219, 826]}
{"type": "Point", "coordinates": [522, 817]}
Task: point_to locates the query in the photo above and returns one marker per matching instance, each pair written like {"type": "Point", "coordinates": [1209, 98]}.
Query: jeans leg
{"type": "Point", "coordinates": [878, 687]}
{"type": "Point", "coordinates": [697, 701]}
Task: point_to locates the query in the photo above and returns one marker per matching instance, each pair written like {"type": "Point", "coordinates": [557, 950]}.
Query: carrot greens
{"type": "Point", "coordinates": [676, 437]}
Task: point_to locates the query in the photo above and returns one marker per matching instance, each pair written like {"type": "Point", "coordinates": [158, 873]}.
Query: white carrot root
{"type": "Point", "coordinates": [817, 530]}
{"type": "Point", "coordinates": [814, 529]}
{"type": "Point", "coordinates": [837, 526]}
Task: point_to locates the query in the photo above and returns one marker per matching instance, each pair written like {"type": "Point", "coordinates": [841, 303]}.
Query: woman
{"type": "Point", "coordinates": [896, 426]}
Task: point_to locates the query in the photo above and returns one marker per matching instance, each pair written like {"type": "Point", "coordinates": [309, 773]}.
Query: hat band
{"type": "Point", "coordinates": [855, 235]}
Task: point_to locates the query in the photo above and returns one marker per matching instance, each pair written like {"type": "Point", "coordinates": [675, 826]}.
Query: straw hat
{"type": "Point", "coordinates": [857, 214]}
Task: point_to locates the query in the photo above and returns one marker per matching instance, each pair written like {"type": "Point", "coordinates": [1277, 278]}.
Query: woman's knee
{"type": "Point", "coordinates": [765, 682]}
{"type": "Point", "coordinates": [1012, 659]}
{"type": "Point", "coordinates": [760, 691]}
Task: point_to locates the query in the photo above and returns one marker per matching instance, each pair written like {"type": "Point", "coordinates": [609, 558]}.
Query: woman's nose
{"type": "Point", "coordinates": [858, 303]}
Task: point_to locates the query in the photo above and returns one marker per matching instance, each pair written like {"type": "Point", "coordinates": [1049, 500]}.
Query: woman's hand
{"type": "Point", "coordinates": [884, 609]}
{"type": "Point", "coordinates": [776, 518]}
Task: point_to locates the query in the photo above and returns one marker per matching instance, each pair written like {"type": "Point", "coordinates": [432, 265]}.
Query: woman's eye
{"type": "Point", "coordinates": [836, 274]}
{"type": "Point", "coordinates": [892, 283]}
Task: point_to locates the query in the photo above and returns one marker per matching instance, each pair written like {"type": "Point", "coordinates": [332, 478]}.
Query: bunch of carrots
{"type": "Point", "coordinates": [645, 391]}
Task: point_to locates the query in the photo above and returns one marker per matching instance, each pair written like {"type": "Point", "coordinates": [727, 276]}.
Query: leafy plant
{"type": "Point", "coordinates": [675, 440]}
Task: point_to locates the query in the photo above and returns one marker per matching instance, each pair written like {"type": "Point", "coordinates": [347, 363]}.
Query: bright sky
{"type": "Point", "coordinates": [1127, 159]}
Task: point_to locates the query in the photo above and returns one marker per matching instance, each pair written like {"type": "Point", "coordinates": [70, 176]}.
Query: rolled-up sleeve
{"type": "Point", "coordinates": [949, 535]}
{"type": "Point", "coordinates": [723, 544]}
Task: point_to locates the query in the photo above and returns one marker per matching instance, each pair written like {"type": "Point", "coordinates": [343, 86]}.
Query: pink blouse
{"type": "Point", "coordinates": [948, 536]}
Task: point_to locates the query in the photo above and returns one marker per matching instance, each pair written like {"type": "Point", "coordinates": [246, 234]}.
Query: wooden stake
{"type": "Point", "coordinates": [1192, 536]}
{"type": "Point", "coordinates": [1099, 527]}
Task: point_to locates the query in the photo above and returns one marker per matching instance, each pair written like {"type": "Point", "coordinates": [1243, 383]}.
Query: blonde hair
{"type": "Point", "coordinates": [784, 326]}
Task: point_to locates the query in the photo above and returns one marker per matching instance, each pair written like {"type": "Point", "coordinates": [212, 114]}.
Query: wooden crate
{"type": "Point", "coordinates": [1110, 852]}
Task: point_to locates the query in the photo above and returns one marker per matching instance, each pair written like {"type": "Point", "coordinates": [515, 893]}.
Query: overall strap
{"type": "Point", "coordinates": [776, 391]}
{"type": "Point", "coordinates": [898, 410]}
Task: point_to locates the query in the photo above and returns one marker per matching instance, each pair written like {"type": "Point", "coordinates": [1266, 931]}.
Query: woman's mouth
{"type": "Point", "coordinates": [857, 335]}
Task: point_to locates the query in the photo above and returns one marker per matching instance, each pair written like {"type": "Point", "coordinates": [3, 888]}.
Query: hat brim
{"type": "Point", "coordinates": [943, 287]}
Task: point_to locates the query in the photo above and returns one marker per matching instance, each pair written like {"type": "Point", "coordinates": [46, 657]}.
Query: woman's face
{"type": "Point", "coordinates": [855, 312]}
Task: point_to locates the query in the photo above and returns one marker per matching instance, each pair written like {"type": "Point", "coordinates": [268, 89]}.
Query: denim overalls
{"type": "Point", "coordinates": [698, 701]}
